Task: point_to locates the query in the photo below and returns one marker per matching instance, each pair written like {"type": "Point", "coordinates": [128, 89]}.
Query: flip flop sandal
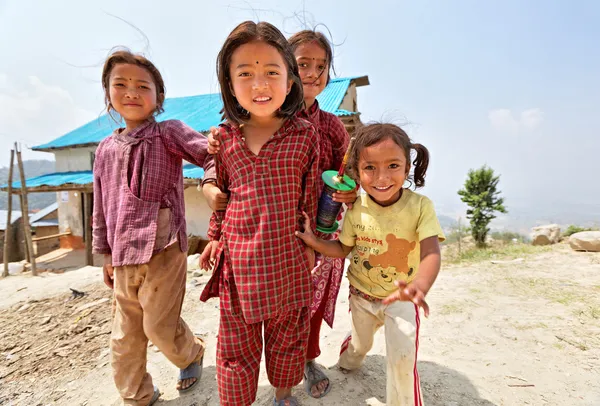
{"type": "Point", "coordinates": [155, 396]}
{"type": "Point", "coordinates": [194, 370]}
{"type": "Point", "coordinates": [289, 401]}
{"type": "Point", "coordinates": [312, 376]}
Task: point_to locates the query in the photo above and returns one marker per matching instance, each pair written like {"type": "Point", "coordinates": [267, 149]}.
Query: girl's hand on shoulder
{"type": "Point", "coordinates": [216, 199]}
{"type": "Point", "coordinates": [348, 197]}
{"type": "Point", "coordinates": [213, 141]}
{"type": "Point", "coordinates": [307, 235]}
{"type": "Point", "coordinates": [207, 258]}
{"type": "Point", "coordinates": [408, 293]}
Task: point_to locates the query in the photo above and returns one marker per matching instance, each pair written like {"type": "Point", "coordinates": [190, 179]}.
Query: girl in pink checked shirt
{"type": "Point", "coordinates": [268, 163]}
{"type": "Point", "coordinates": [139, 226]}
{"type": "Point", "coordinates": [314, 55]}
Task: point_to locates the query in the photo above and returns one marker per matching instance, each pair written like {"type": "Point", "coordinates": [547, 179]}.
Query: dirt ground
{"type": "Point", "coordinates": [524, 333]}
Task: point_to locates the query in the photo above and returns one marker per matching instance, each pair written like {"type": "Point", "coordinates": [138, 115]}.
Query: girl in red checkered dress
{"type": "Point", "coordinates": [268, 164]}
{"type": "Point", "coordinates": [314, 55]}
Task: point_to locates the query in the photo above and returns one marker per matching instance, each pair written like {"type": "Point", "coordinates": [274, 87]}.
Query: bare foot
{"type": "Point", "coordinates": [186, 383]}
{"type": "Point", "coordinates": [314, 375]}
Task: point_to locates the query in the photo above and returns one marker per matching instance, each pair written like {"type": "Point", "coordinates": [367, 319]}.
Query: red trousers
{"type": "Point", "coordinates": [239, 349]}
{"type": "Point", "coordinates": [313, 350]}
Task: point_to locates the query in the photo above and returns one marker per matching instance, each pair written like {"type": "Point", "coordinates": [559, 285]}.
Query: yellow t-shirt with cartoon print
{"type": "Point", "coordinates": [386, 241]}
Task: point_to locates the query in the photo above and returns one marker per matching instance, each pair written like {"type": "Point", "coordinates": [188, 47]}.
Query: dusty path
{"type": "Point", "coordinates": [511, 334]}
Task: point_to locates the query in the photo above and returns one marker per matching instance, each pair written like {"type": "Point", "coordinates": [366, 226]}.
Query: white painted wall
{"type": "Point", "coordinates": [349, 103]}
{"type": "Point", "coordinates": [197, 212]}
{"type": "Point", "coordinates": [74, 159]}
{"type": "Point", "coordinates": [69, 213]}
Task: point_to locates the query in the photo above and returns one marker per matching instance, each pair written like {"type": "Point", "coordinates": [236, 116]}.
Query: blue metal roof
{"type": "Point", "coordinates": [199, 112]}
{"type": "Point", "coordinates": [190, 171]}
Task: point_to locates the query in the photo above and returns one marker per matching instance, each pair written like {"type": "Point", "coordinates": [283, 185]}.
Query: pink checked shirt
{"type": "Point", "coordinates": [136, 175]}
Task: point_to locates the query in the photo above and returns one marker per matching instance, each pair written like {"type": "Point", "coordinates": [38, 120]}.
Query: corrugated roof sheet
{"type": "Point", "coordinates": [190, 171]}
{"type": "Point", "coordinates": [45, 223]}
{"type": "Point", "coordinates": [15, 215]}
{"type": "Point", "coordinates": [199, 112]}
{"type": "Point", "coordinates": [43, 213]}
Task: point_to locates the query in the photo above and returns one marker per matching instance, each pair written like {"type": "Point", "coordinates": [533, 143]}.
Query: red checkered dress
{"type": "Point", "coordinates": [268, 193]}
{"type": "Point", "coordinates": [262, 272]}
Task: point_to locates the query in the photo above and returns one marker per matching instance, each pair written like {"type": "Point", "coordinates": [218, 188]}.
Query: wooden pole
{"type": "Point", "coordinates": [24, 242]}
{"type": "Point", "coordinates": [87, 223]}
{"type": "Point", "coordinates": [7, 231]}
{"type": "Point", "coordinates": [26, 225]}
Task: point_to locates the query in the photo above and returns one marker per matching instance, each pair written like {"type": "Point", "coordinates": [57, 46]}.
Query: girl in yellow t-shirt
{"type": "Point", "coordinates": [393, 234]}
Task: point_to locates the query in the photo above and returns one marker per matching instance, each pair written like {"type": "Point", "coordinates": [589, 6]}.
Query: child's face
{"type": "Point", "coordinates": [313, 67]}
{"type": "Point", "coordinates": [132, 93]}
{"type": "Point", "coordinates": [382, 170]}
{"type": "Point", "coordinates": [259, 78]}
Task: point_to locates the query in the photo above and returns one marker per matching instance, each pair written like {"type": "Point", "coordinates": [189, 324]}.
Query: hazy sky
{"type": "Point", "coordinates": [514, 84]}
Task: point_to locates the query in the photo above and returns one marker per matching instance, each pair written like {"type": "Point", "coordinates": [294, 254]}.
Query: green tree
{"type": "Point", "coordinates": [481, 195]}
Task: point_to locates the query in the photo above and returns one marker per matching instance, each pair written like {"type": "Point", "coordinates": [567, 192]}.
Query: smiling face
{"type": "Point", "coordinates": [314, 69]}
{"type": "Point", "coordinates": [383, 169]}
{"type": "Point", "coordinates": [259, 79]}
{"type": "Point", "coordinates": [132, 93]}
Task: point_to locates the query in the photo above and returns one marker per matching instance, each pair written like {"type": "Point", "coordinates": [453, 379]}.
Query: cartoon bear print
{"type": "Point", "coordinates": [383, 269]}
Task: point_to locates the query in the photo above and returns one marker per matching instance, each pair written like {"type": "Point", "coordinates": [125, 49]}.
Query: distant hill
{"type": "Point", "coordinates": [32, 169]}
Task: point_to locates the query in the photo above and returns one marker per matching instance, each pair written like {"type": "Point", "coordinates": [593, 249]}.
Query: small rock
{"type": "Point", "coordinates": [197, 274]}
{"type": "Point", "coordinates": [545, 235]}
{"type": "Point", "coordinates": [585, 241]}
{"type": "Point", "coordinates": [45, 320]}
{"type": "Point", "coordinates": [89, 305]}
{"type": "Point", "coordinates": [24, 307]}
{"type": "Point", "coordinates": [193, 262]}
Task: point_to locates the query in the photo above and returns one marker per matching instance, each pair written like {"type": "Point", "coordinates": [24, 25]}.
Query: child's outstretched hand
{"type": "Point", "coordinates": [307, 235]}
{"type": "Point", "coordinates": [213, 141]}
{"type": "Point", "coordinates": [207, 258]}
{"type": "Point", "coordinates": [408, 292]}
{"type": "Point", "coordinates": [348, 197]}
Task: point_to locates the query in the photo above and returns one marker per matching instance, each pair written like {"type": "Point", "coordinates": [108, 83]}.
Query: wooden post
{"type": "Point", "coordinates": [7, 231]}
{"type": "Point", "coordinates": [87, 223]}
{"type": "Point", "coordinates": [25, 210]}
{"type": "Point", "coordinates": [24, 242]}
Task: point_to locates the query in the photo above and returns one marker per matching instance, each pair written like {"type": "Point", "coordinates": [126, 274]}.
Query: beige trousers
{"type": "Point", "coordinates": [148, 300]}
{"type": "Point", "coordinates": [401, 321]}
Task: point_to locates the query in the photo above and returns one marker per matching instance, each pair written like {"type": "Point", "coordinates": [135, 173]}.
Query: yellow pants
{"type": "Point", "coordinates": [401, 321]}
{"type": "Point", "coordinates": [148, 300]}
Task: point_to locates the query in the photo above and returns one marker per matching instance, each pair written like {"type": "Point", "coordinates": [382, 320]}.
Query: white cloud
{"type": "Point", "coordinates": [504, 120]}
{"type": "Point", "coordinates": [36, 113]}
{"type": "Point", "coordinates": [532, 118]}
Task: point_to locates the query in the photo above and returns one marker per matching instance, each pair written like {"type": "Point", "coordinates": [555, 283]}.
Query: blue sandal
{"type": "Point", "coordinates": [155, 396]}
{"type": "Point", "coordinates": [289, 401]}
{"type": "Point", "coordinates": [194, 370]}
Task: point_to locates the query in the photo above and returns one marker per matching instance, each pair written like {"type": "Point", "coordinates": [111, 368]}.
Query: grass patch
{"type": "Point", "coordinates": [451, 308]}
{"type": "Point", "coordinates": [524, 327]}
{"type": "Point", "coordinates": [553, 290]}
{"type": "Point", "coordinates": [501, 251]}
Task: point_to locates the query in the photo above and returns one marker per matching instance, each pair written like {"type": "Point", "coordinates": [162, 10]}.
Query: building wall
{"type": "Point", "coordinates": [46, 246]}
{"type": "Point", "coordinates": [74, 159]}
{"type": "Point", "coordinates": [197, 213]}
{"type": "Point", "coordinates": [17, 242]}
{"type": "Point", "coordinates": [70, 217]}
{"type": "Point", "coordinates": [350, 103]}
